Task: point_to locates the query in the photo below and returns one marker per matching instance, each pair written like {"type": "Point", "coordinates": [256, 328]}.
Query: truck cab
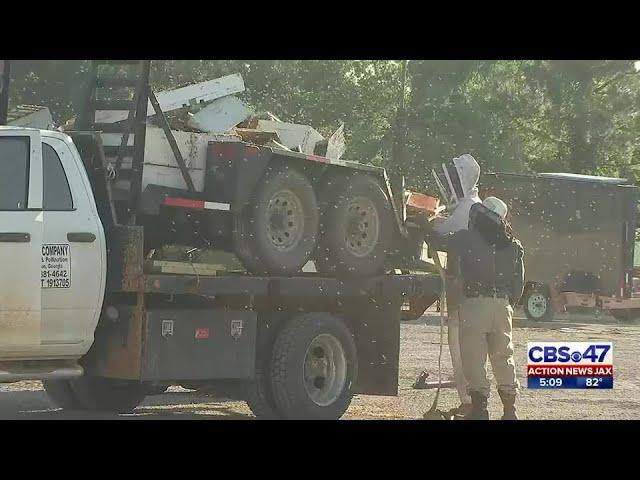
{"type": "Point", "coordinates": [52, 250]}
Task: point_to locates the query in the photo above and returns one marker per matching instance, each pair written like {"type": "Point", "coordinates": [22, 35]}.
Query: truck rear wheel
{"type": "Point", "coordinates": [313, 368]}
{"type": "Point", "coordinates": [356, 227]}
{"type": "Point", "coordinates": [537, 304]}
{"type": "Point", "coordinates": [279, 231]}
{"type": "Point", "coordinates": [104, 394]}
{"type": "Point", "coordinates": [258, 394]}
{"type": "Point", "coordinates": [60, 393]}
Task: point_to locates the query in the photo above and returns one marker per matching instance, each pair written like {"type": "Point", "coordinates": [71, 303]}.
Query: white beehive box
{"type": "Point", "coordinates": [221, 115]}
{"type": "Point", "coordinates": [170, 100]}
{"type": "Point", "coordinates": [160, 166]}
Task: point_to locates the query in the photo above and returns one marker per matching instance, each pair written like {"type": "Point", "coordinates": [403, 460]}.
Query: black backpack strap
{"type": "Point", "coordinates": [517, 283]}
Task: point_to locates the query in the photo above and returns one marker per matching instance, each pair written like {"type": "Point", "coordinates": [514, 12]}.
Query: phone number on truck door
{"type": "Point", "coordinates": [55, 271]}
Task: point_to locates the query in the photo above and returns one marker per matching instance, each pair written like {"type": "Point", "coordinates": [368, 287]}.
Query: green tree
{"type": "Point", "coordinates": [527, 115]}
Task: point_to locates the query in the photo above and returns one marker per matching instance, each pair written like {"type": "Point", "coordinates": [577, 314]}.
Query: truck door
{"type": "Point", "coordinates": [73, 270]}
{"type": "Point", "coordinates": [21, 230]}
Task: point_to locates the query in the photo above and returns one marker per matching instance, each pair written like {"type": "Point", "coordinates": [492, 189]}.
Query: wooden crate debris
{"type": "Point", "coordinates": [258, 137]}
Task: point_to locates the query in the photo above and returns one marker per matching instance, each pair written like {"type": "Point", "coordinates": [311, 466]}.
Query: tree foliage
{"type": "Point", "coordinates": [529, 115]}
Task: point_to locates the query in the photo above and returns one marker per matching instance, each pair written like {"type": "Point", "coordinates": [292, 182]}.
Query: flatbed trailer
{"type": "Point", "coordinates": [371, 306]}
{"type": "Point", "coordinates": [221, 330]}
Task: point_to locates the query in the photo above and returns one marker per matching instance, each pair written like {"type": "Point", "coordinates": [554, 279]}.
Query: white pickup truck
{"type": "Point", "coordinates": [80, 310]}
{"type": "Point", "coordinates": [52, 253]}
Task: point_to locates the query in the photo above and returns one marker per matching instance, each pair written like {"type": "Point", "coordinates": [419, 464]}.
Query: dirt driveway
{"type": "Point", "coordinates": [419, 349]}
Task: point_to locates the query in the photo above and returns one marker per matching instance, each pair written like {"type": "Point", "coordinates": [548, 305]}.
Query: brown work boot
{"type": "Point", "coordinates": [509, 403]}
{"type": "Point", "coordinates": [461, 411]}
{"type": "Point", "coordinates": [478, 407]}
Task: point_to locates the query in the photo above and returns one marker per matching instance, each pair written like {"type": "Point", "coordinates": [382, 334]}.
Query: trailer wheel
{"type": "Point", "coordinates": [625, 315]}
{"type": "Point", "coordinates": [243, 240]}
{"type": "Point", "coordinates": [313, 368]}
{"type": "Point", "coordinates": [537, 304]}
{"type": "Point", "coordinates": [104, 394]}
{"type": "Point", "coordinates": [282, 222]}
{"type": "Point", "coordinates": [60, 393]}
{"type": "Point", "coordinates": [356, 227]}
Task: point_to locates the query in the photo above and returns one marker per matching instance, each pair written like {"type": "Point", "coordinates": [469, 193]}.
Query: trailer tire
{"type": "Point", "coordinates": [61, 394]}
{"type": "Point", "coordinates": [243, 240]}
{"type": "Point", "coordinates": [104, 394]}
{"type": "Point", "coordinates": [281, 224]}
{"type": "Point", "coordinates": [356, 227]}
{"type": "Point", "coordinates": [314, 366]}
{"type": "Point", "coordinates": [537, 304]}
{"type": "Point", "coordinates": [625, 315]}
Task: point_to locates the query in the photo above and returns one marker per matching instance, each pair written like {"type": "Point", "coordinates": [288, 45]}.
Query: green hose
{"type": "Point", "coordinates": [433, 413]}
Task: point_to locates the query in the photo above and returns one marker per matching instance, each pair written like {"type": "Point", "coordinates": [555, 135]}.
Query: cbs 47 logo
{"type": "Point", "coordinates": [576, 352]}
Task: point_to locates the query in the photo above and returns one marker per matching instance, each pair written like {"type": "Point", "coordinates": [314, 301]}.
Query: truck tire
{"type": "Point", "coordinates": [313, 368]}
{"type": "Point", "coordinates": [625, 315]}
{"type": "Point", "coordinates": [259, 396]}
{"type": "Point", "coordinates": [280, 229]}
{"type": "Point", "coordinates": [356, 227]}
{"type": "Point", "coordinates": [258, 392]}
{"type": "Point", "coordinates": [537, 304]}
{"type": "Point", "coordinates": [104, 394]}
{"type": "Point", "coordinates": [60, 393]}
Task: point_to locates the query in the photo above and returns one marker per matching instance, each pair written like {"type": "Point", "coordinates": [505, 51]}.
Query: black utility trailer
{"type": "Point", "coordinates": [578, 232]}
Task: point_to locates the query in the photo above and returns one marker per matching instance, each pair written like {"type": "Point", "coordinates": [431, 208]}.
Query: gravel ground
{"type": "Point", "coordinates": [419, 350]}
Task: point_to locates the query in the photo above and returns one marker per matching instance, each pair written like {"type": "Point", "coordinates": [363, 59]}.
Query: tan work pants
{"type": "Point", "coordinates": [453, 327]}
{"type": "Point", "coordinates": [454, 297]}
{"type": "Point", "coordinates": [485, 329]}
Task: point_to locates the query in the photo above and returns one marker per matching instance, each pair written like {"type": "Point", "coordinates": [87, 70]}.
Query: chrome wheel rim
{"type": "Point", "coordinates": [325, 370]}
{"type": "Point", "coordinates": [285, 224]}
{"type": "Point", "coordinates": [537, 305]}
{"type": "Point", "coordinates": [363, 227]}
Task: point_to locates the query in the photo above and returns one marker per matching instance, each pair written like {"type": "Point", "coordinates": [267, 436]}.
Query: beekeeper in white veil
{"type": "Point", "coordinates": [458, 184]}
